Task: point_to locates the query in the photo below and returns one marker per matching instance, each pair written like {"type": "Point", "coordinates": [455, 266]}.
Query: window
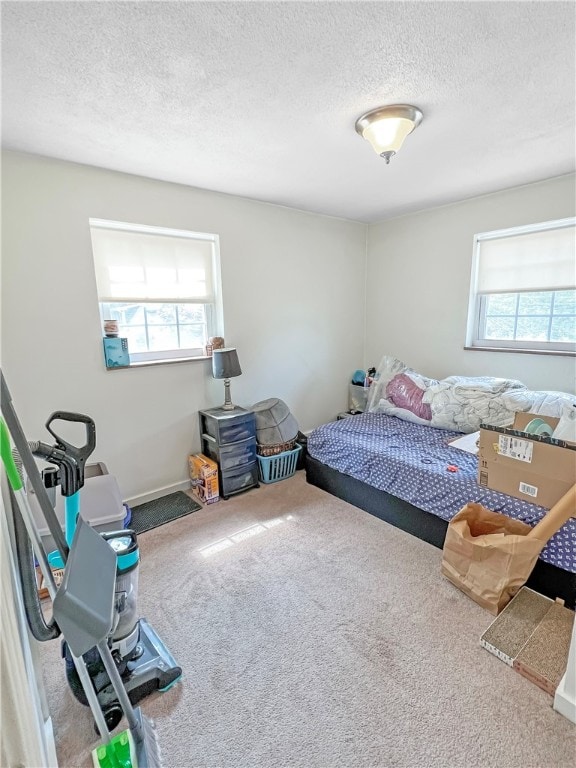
{"type": "Point", "coordinates": [161, 285]}
{"type": "Point", "coordinates": [523, 289]}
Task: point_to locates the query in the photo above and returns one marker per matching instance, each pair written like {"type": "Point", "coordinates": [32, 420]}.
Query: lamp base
{"type": "Point", "coordinates": [228, 404]}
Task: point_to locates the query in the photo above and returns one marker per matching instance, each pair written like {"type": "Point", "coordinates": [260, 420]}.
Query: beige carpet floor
{"type": "Point", "coordinates": [314, 635]}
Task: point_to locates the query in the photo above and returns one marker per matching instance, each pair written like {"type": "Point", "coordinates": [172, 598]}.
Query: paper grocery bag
{"type": "Point", "coordinates": [488, 556]}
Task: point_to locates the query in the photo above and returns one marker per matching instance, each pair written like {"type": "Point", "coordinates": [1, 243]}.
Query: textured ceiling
{"type": "Point", "coordinates": [260, 99]}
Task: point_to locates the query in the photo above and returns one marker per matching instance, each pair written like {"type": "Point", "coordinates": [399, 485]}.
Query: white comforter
{"type": "Point", "coordinates": [462, 403]}
{"type": "Point", "coordinates": [543, 403]}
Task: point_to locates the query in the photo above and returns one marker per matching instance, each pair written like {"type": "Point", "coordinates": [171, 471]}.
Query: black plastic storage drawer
{"type": "Point", "coordinates": [237, 480]}
{"type": "Point", "coordinates": [227, 426]}
{"type": "Point", "coordinates": [230, 455]}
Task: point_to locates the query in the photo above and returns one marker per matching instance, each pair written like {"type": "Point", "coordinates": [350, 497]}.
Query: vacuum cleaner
{"type": "Point", "coordinates": [109, 672]}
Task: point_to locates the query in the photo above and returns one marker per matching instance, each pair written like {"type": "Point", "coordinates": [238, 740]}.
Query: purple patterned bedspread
{"type": "Point", "coordinates": [411, 461]}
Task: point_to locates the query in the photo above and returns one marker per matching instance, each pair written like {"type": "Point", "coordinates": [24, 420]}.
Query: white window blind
{"type": "Point", "coordinates": [528, 260]}
{"type": "Point", "coordinates": [523, 289]}
{"type": "Point", "coordinates": [151, 264]}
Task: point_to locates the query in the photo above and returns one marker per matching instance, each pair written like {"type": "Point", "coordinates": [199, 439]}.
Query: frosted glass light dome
{"type": "Point", "coordinates": [387, 127]}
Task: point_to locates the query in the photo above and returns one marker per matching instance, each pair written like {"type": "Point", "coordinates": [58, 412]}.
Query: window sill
{"type": "Point", "coordinates": [514, 350]}
{"type": "Point", "coordinates": [167, 361]}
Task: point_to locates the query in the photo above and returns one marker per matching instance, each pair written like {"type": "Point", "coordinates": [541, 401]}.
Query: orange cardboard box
{"type": "Point", "coordinates": [204, 478]}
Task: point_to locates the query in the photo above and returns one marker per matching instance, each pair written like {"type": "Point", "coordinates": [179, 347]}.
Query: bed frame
{"type": "Point", "coordinates": [545, 578]}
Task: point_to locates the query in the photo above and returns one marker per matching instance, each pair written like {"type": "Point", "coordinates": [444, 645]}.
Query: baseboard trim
{"type": "Point", "coordinates": [565, 696]}
{"type": "Point", "coordinates": [158, 493]}
{"type": "Point", "coordinates": [563, 703]}
{"type": "Point", "coordinates": [52, 761]}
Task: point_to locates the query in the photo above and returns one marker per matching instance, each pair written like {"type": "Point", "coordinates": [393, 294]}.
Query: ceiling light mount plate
{"type": "Point", "coordinates": [404, 111]}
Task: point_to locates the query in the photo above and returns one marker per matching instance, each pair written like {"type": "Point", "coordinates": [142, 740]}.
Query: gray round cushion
{"type": "Point", "coordinates": [274, 422]}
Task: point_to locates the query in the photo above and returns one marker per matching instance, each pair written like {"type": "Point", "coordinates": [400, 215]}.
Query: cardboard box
{"type": "Point", "coordinates": [204, 478]}
{"type": "Point", "coordinates": [532, 635]}
{"type": "Point", "coordinates": [538, 469]}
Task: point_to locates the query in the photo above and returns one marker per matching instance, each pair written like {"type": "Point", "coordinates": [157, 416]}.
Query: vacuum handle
{"type": "Point", "coordinates": [80, 453]}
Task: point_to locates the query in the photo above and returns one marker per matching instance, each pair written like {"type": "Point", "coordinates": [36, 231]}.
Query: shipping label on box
{"type": "Point", "coordinates": [535, 468]}
{"type": "Point", "coordinates": [515, 448]}
{"type": "Point", "coordinates": [204, 478]}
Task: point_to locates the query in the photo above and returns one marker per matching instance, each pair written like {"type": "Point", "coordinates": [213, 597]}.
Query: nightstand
{"type": "Point", "coordinates": [229, 438]}
{"type": "Point", "coordinates": [347, 414]}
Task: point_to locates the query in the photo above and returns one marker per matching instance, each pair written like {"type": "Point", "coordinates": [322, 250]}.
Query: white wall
{"type": "Point", "coordinates": [296, 286]}
{"type": "Point", "coordinates": [293, 286]}
{"type": "Point", "coordinates": [418, 282]}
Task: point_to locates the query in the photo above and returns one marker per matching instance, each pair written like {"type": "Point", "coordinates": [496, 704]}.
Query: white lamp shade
{"type": "Point", "coordinates": [388, 134]}
{"type": "Point", "coordinates": [387, 127]}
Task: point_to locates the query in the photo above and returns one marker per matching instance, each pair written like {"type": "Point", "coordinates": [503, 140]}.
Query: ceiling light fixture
{"type": "Point", "coordinates": [387, 127]}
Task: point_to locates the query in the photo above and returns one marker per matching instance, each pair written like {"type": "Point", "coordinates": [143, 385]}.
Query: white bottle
{"type": "Point", "coordinates": [566, 428]}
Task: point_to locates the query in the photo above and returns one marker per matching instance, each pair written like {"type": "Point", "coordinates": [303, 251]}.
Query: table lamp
{"type": "Point", "coordinates": [225, 366]}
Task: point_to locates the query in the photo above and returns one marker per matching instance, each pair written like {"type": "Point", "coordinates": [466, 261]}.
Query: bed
{"type": "Point", "coordinates": [410, 476]}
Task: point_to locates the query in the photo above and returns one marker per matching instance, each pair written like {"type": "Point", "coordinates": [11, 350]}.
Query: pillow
{"type": "Point", "coordinates": [389, 368]}
{"type": "Point", "coordinates": [405, 393]}
{"type": "Point", "coordinates": [386, 407]}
